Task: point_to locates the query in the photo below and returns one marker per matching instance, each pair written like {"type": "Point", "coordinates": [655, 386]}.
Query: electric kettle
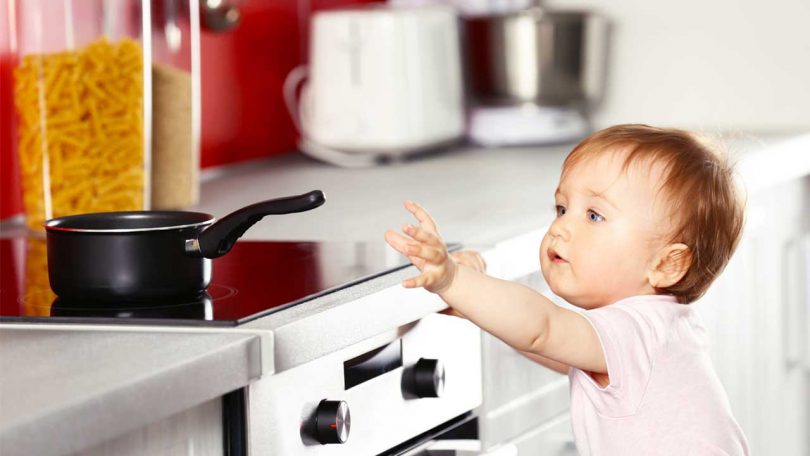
{"type": "Point", "coordinates": [383, 81]}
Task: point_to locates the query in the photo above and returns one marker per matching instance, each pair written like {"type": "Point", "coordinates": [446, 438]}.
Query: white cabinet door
{"type": "Point", "coordinates": [520, 396]}
{"type": "Point", "coordinates": [553, 438]}
{"type": "Point", "coordinates": [757, 317]}
{"type": "Point", "coordinates": [794, 369]}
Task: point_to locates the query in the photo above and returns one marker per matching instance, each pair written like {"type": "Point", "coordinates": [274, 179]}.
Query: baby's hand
{"type": "Point", "coordinates": [470, 258]}
{"type": "Point", "coordinates": [426, 250]}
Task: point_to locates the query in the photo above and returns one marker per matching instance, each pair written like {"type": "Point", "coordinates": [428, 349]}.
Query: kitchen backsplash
{"type": "Point", "coordinates": [243, 70]}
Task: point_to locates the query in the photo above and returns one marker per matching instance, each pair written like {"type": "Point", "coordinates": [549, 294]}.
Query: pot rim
{"type": "Point", "coordinates": [55, 224]}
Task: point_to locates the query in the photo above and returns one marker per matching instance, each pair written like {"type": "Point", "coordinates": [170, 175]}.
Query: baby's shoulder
{"type": "Point", "coordinates": [652, 319]}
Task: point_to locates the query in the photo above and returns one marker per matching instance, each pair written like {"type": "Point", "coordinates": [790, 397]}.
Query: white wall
{"type": "Point", "coordinates": [730, 65]}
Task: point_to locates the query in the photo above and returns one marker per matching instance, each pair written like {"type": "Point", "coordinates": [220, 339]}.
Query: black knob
{"type": "Point", "coordinates": [428, 378]}
{"type": "Point", "coordinates": [332, 422]}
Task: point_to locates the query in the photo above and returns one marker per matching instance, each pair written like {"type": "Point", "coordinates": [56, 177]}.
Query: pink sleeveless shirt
{"type": "Point", "coordinates": [664, 397]}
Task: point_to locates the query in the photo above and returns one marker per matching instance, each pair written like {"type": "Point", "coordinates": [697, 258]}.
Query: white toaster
{"type": "Point", "coordinates": [383, 80]}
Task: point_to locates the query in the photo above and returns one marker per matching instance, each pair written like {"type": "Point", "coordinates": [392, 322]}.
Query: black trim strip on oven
{"type": "Point", "coordinates": [464, 426]}
{"type": "Point", "coordinates": [234, 423]}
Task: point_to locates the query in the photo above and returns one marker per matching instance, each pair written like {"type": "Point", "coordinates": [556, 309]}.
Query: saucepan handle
{"type": "Point", "coordinates": [219, 238]}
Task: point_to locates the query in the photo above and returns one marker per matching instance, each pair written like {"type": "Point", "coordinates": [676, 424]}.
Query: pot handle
{"type": "Point", "coordinates": [219, 238]}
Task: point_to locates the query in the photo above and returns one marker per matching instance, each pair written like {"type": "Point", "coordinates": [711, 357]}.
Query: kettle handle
{"type": "Point", "coordinates": [290, 90]}
{"type": "Point", "coordinates": [298, 114]}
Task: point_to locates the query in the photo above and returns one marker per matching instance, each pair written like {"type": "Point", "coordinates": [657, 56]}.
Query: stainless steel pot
{"type": "Point", "coordinates": [540, 56]}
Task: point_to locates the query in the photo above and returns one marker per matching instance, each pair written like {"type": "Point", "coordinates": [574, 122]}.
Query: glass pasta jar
{"type": "Point", "coordinates": [85, 101]}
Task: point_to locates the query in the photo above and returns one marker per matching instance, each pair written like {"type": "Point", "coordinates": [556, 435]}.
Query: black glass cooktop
{"type": "Point", "coordinates": [255, 279]}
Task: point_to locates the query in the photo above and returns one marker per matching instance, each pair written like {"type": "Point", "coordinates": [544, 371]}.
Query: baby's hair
{"type": "Point", "coordinates": [699, 184]}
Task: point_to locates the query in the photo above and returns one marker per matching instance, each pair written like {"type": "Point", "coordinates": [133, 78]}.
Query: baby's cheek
{"type": "Point", "coordinates": [542, 259]}
{"type": "Point", "coordinates": [549, 281]}
{"type": "Point", "coordinates": [544, 243]}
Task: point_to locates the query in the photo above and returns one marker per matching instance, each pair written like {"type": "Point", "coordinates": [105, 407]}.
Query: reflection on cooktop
{"type": "Point", "coordinates": [196, 309]}
{"type": "Point", "coordinates": [200, 307]}
{"type": "Point", "coordinates": [256, 278]}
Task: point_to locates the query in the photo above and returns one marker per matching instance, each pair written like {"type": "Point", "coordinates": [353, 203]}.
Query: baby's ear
{"type": "Point", "coordinates": [669, 265]}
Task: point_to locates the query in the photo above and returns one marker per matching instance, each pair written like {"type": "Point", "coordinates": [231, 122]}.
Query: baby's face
{"type": "Point", "coordinates": [609, 226]}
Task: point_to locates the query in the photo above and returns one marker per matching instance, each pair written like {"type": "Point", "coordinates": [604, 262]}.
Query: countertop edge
{"type": "Point", "coordinates": [79, 425]}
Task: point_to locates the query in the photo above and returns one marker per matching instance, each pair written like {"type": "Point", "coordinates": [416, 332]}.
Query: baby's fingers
{"type": "Point", "coordinates": [420, 281]}
{"type": "Point", "coordinates": [399, 242]}
{"type": "Point", "coordinates": [430, 254]}
{"type": "Point", "coordinates": [403, 245]}
{"type": "Point", "coordinates": [422, 215]}
{"type": "Point", "coordinates": [422, 235]}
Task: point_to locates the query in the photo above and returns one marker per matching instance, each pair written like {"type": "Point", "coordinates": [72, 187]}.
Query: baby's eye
{"type": "Point", "coordinates": [595, 217]}
{"type": "Point", "coordinates": [560, 210]}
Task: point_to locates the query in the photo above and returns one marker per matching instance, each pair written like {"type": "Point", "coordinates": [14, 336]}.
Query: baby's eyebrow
{"type": "Point", "coordinates": [601, 195]}
{"type": "Point", "coordinates": [593, 194]}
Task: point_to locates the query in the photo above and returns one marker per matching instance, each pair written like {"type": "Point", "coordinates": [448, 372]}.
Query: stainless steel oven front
{"type": "Point", "coordinates": [347, 380]}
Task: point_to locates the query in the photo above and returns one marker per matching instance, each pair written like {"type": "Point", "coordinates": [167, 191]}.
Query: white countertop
{"type": "Point", "coordinates": [63, 390]}
{"type": "Point", "coordinates": [477, 196]}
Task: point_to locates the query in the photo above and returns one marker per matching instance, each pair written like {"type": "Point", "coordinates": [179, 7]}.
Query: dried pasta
{"type": "Point", "coordinates": [80, 140]}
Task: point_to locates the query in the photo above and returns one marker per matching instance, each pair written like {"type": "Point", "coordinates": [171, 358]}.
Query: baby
{"type": "Point", "coordinates": [646, 219]}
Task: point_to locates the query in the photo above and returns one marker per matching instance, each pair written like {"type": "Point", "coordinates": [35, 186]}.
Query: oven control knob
{"type": "Point", "coordinates": [428, 378]}
{"type": "Point", "coordinates": [332, 422]}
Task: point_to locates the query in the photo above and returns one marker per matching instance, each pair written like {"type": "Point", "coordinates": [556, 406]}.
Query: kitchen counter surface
{"type": "Point", "coordinates": [477, 196]}
{"type": "Point", "coordinates": [64, 390]}
{"type": "Point", "coordinates": [73, 383]}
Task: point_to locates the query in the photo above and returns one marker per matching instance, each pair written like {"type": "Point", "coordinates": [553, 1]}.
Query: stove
{"type": "Point", "coordinates": [351, 362]}
{"type": "Point", "coordinates": [252, 281]}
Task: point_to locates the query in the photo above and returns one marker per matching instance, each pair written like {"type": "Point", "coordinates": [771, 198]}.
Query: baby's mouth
{"type": "Point", "coordinates": [555, 258]}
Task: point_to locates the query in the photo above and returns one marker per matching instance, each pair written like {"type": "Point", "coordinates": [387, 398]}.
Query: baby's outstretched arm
{"type": "Point", "coordinates": [474, 260]}
{"type": "Point", "coordinates": [516, 314]}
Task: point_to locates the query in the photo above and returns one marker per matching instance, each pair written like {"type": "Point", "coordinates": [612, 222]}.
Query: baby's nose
{"type": "Point", "coordinates": [559, 229]}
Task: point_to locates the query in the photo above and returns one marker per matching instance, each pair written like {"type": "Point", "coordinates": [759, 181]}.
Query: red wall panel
{"type": "Point", "coordinates": [243, 71]}
{"type": "Point", "coordinates": [243, 113]}
{"type": "Point", "coordinates": [10, 193]}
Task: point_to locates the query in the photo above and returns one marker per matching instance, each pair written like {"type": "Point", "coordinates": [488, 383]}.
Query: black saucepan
{"type": "Point", "coordinates": [148, 255]}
